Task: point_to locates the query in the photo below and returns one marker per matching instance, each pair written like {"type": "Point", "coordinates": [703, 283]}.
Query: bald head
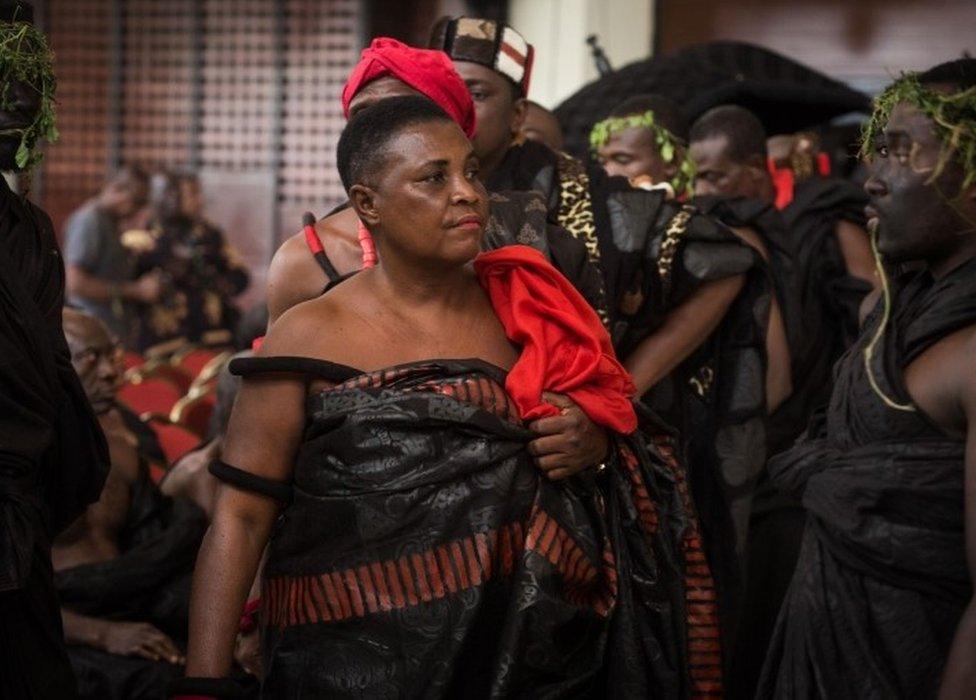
{"type": "Point", "coordinates": [95, 357]}
{"type": "Point", "coordinates": [541, 125]}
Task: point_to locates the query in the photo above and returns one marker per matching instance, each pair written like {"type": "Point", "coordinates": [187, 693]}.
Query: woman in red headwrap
{"type": "Point", "coordinates": [328, 250]}
{"type": "Point", "coordinates": [414, 549]}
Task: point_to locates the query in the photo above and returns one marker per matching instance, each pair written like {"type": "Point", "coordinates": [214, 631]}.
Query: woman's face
{"type": "Point", "coordinates": [426, 203]}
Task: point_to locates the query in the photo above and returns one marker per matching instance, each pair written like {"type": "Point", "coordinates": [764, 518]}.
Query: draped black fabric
{"type": "Point", "coordinates": [148, 582]}
{"type": "Point", "coordinates": [831, 297]}
{"type": "Point", "coordinates": [716, 398]}
{"type": "Point", "coordinates": [422, 554]}
{"type": "Point", "coordinates": [881, 580]}
{"type": "Point", "coordinates": [53, 456]}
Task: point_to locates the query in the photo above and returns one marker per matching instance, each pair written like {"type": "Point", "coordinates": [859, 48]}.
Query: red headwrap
{"type": "Point", "coordinates": [431, 73]}
{"type": "Point", "coordinates": [565, 348]}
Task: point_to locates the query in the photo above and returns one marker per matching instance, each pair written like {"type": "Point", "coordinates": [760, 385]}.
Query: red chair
{"type": "Point", "coordinates": [132, 360]}
{"type": "Point", "coordinates": [207, 378]}
{"type": "Point", "coordinates": [175, 440]}
{"type": "Point", "coordinates": [193, 411]}
{"type": "Point", "coordinates": [160, 369]}
{"type": "Point", "coordinates": [193, 360]}
{"type": "Point", "coordinates": [153, 395]}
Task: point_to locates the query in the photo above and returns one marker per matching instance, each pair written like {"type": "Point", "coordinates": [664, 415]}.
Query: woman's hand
{"type": "Point", "coordinates": [567, 443]}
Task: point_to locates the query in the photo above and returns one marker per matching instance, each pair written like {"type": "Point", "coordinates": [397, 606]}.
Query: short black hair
{"type": "Point", "coordinates": [742, 130]}
{"type": "Point", "coordinates": [959, 74]}
{"type": "Point", "coordinates": [667, 112]}
{"type": "Point", "coordinates": [362, 143]}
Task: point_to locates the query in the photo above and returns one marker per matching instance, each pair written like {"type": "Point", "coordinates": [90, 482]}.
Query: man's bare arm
{"type": "Point", "coordinates": [685, 328]}
{"type": "Point", "coordinates": [959, 679]}
{"type": "Point", "coordinates": [779, 370]}
{"type": "Point", "coordinates": [855, 248]}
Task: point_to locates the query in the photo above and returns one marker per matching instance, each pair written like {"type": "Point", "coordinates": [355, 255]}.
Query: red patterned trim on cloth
{"type": "Point", "coordinates": [442, 571]}
{"type": "Point", "coordinates": [395, 583]}
{"type": "Point", "coordinates": [642, 499]}
{"type": "Point", "coordinates": [584, 585]}
{"type": "Point", "coordinates": [701, 601]}
{"type": "Point", "coordinates": [481, 392]}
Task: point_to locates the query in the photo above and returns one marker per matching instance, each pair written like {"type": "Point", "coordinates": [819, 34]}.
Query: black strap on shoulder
{"type": "Point", "coordinates": [310, 366]}
{"type": "Point", "coordinates": [247, 481]}
{"type": "Point", "coordinates": [339, 280]}
{"type": "Point", "coordinates": [322, 258]}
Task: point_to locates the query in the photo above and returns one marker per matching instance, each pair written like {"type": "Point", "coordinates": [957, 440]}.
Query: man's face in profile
{"type": "Point", "coordinates": [17, 113]}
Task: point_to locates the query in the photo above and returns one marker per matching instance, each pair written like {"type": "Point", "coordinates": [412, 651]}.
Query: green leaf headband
{"type": "Point", "coordinates": [667, 143]}
{"type": "Point", "coordinates": [953, 114]}
{"type": "Point", "coordinates": [25, 57]}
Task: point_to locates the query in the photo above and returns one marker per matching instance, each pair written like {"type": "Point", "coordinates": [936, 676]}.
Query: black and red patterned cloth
{"type": "Point", "coordinates": [424, 555]}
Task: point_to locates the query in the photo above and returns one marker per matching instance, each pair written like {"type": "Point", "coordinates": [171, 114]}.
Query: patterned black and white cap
{"type": "Point", "coordinates": [487, 42]}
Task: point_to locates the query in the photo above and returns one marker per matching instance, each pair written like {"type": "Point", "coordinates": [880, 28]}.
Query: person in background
{"type": "Point", "coordinates": [729, 152]}
{"type": "Point", "coordinates": [881, 603]}
{"type": "Point", "coordinates": [645, 139]}
{"type": "Point", "coordinates": [53, 455]}
{"type": "Point", "coordinates": [201, 274]}
{"type": "Point", "coordinates": [100, 268]}
{"type": "Point", "coordinates": [541, 125]}
{"type": "Point", "coordinates": [122, 568]}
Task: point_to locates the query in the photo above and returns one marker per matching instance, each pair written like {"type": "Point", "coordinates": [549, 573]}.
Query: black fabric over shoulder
{"type": "Point", "coordinates": [323, 369]}
{"type": "Point", "coordinates": [247, 481]}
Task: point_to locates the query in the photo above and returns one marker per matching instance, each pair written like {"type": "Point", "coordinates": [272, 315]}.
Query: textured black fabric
{"type": "Point", "coordinates": [821, 323]}
{"type": "Point", "coordinates": [785, 95]}
{"type": "Point", "coordinates": [423, 555]}
{"type": "Point", "coordinates": [53, 456]}
{"type": "Point", "coordinates": [716, 398]}
{"type": "Point", "coordinates": [882, 579]}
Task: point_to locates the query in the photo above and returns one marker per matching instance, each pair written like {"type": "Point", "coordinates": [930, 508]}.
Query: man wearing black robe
{"type": "Point", "coordinates": [881, 601]}
{"type": "Point", "coordinates": [687, 302]}
{"type": "Point", "coordinates": [53, 457]}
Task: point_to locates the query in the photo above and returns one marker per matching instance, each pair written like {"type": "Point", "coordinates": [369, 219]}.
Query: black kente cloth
{"type": "Point", "coordinates": [831, 297]}
{"type": "Point", "coordinates": [53, 456]}
{"type": "Point", "coordinates": [882, 580]}
{"type": "Point", "coordinates": [148, 582]}
{"type": "Point", "coordinates": [423, 556]}
{"type": "Point", "coordinates": [716, 398]}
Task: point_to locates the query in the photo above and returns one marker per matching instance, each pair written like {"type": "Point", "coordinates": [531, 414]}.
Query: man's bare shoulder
{"type": "Point", "coordinates": [941, 381]}
{"type": "Point", "coordinates": [293, 277]}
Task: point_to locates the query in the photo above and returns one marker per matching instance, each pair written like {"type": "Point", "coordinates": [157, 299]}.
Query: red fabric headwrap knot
{"type": "Point", "coordinates": [565, 348]}
{"type": "Point", "coordinates": [430, 73]}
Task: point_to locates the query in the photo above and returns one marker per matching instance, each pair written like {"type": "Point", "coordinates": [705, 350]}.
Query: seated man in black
{"type": "Point", "coordinates": [122, 569]}
{"type": "Point", "coordinates": [200, 274]}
